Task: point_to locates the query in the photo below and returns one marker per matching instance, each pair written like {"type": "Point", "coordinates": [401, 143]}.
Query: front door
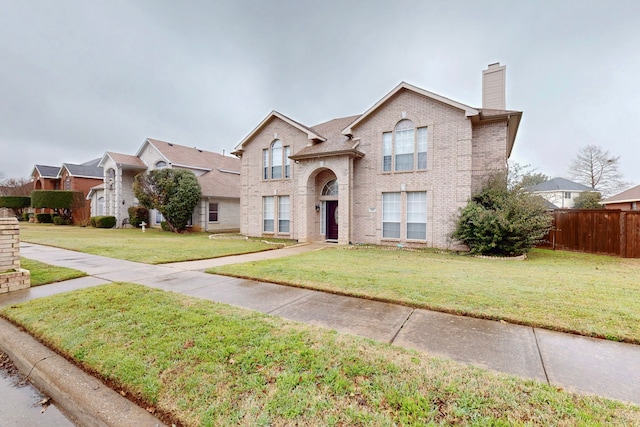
{"type": "Point", "coordinates": [332, 219]}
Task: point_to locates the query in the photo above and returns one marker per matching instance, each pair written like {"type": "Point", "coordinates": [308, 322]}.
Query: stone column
{"type": "Point", "coordinates": [12, 277]}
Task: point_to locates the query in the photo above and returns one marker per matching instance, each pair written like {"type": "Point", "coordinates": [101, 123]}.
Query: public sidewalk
{"type": "Point", "coordinates": [572, 362]}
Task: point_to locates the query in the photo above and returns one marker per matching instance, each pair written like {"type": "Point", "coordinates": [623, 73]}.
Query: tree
{"type": "Point", "coordinates": [502, 221]}
{"type": "Point", "coordinates": [588, 200]}
{"type": "Point", "coordinates": [524, 175]}
{"type": "Point", "coordinates": [173, 192]}
{"type": "Point", "coordinates": [598, 169]}
{"type": "Point", "coordinates": [16, 187]}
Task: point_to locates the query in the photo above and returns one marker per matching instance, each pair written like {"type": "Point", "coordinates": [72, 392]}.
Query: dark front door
{"type": "Point", "coordinates": [332, 219]}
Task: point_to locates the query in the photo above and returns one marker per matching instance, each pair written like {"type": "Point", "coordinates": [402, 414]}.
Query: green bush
{"type": "Point", "coordinates": [164, 226]}
{"type": "Point", "coordinates": [502, 221]}
{"type": "Point", "coordinates": [44, 218]}
{"type": "Point", "coordinates": [138, 214]}
{"type": "Point", "coordinates": [103, 221]}
{"type": "Point", "coordinates": [58, 220]}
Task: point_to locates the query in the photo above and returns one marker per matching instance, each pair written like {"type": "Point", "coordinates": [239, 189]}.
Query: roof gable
{"type": "Point", "coordinates": [311, 134]}
{"type": "Point", "coordinates": [630, 195]}
{"type": "Point", "coordinates": [83, 171]}
{"type": "Point", "coordinates": [46, 171]}
{"type": "Point", "coordinates": [469, 111]}
{"type": "Point", "coordinates": [122, 160]}
{"type": "Point", "coordinates": [190, 157]}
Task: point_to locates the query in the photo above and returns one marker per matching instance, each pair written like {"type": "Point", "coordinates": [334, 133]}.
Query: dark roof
{"type": "Point", "coordinates": [48, 171]}
{"type": "Point", "coordinates": [559, 184]}
{"type": "Point", "coordinates": [83, 170]}
{"type": "Point", "coordinates": [93, 162]}
{"type": "Point", "coordinates": [630, 195]}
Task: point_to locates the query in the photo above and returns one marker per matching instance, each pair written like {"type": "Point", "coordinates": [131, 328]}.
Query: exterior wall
{"type": "Point", "coordinates": [12, 277]}
{"type": "Point", "coordinates": [489, 152]}
{"type": "Point", "coordinates": [83, 185]}
{"type": "Point", "coordinates": [254, 188]}
{"type": "Point", "coordinates": [460, 155]}
{"type": "Point", "coordinates": [558, 199]}
{"type": "Point", "coordinates": [228, 215]}
{"type": "Point", "coordinates": [625, 206]}
{"type": "Point", "coordinates": [446, 179]}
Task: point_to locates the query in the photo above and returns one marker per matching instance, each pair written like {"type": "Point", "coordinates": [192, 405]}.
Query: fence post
{"type": "Point", "coordinates": [623, 234]}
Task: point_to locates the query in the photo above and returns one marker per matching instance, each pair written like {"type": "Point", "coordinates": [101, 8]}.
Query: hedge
{"type": "Point", "coordinates": [103, 221]}
{"type": "Point", "coordinates": [54, 199]}
{"type": "Point", "coordinates": [44, 218]}
{"type": "Point", "coordinates": [15, 202]}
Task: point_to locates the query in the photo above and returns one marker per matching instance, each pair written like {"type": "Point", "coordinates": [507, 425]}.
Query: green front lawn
{"type": "Point", "coordinates": [202, 363]}
{"type": "Point", "coordinates": [154, 246]}
{"type": "Point", "coordinates": [42, 274]}
{"type": "Point", "coordinates": [586, 294]}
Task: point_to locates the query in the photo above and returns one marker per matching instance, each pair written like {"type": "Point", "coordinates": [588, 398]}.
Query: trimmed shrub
{"type": "Point", "coordinates": [164, 226]}
{"type": "Point", "coordinates": [103, 221]}
{"type": "Point", "coordinates": [138, 214]}
{"type": "Point", "coordinates": [44, 218]}
{"type": "Point", "coordinates": [58, 220]}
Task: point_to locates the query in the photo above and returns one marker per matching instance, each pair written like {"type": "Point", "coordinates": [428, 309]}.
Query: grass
{"type": "Point", "coordinates": [154, 246]}
{"type": "Point", "coordinates": [42, 274]}
{"type": "Point", "coordinates": [586, 294]}
{"type": "Point", "coordinates": [201, 363]}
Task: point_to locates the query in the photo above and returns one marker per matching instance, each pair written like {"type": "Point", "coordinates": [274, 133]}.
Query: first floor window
{"type": "Point", "coordinates": [283, 214]}
{"type": "Point", "coordinates": [267, 214]}
{"type": "Point", "coordinates": [213, 212]}
{"type": "Point", "coordinates": [159, 217]}
{"type": "Point", "coordinates": [391, 215]}
{"type": "Point", "coordinates": [417, 215]}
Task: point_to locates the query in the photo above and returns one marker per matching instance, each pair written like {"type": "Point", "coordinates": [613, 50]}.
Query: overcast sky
{"type": "Point", "coordinates": [78, 78]}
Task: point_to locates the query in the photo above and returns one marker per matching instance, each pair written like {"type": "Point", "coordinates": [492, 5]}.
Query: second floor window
{"type": "Point", "coordinates": [405, 148]}
{"type": "Point", "coordinates": [275, 161]}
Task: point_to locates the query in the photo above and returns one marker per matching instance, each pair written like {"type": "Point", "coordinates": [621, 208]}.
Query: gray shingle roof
{"type": "Point", "coordinates": [48, 171]}
{"type": "Point", "coordinates": [630, 195]}
{"type": "Point", "coordinates": [559, 184]}
{"type": "Point", "coordinates": [83, 170]}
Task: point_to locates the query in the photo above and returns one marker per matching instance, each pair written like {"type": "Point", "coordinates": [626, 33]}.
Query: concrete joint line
{"type": "Point", "coordinates": [289, 303]}
{"type": "Point", "coordinates": [544, 368]}
{"type": "Point", "coordinates": [402, 326]}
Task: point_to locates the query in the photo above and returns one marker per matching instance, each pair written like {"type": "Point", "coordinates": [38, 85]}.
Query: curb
{"type": "Point", "coordinates": [80, 396]}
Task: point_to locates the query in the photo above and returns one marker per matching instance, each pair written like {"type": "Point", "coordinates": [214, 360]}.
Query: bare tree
{"type": "Point", "coordinates": [15, 187]}
{"type": "Point", "coordinates": [598, 169]}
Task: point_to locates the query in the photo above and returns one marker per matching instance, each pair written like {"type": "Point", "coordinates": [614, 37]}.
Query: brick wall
{"type": "Point", "coordinates": [12, 277]}
{"type": "Point", "coordinates": [460, 156]}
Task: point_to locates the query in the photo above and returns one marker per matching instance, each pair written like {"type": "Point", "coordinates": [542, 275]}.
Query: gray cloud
{"type": "Point", "coordinates": [80, 78]}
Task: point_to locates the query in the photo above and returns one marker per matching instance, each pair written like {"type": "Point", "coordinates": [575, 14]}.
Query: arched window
{"type": "Point", "coordinates": [276, 159]}
{"type": "Point", "coordinates": [161, 164]}
{"type": "Point", "coordinates": [405, 148]}
{"type": "Point", "coordinates": [330, 188]}
{"type": "Point", "coordinates": [273, 160]}
{"type": "Point", "coordinates": [111, 175]}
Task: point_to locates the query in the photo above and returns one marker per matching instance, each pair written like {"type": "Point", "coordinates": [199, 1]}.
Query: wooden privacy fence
{"type": "Point", "coordinates": [597, 231]}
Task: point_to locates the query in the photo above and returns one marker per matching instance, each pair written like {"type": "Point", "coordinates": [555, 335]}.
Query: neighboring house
{"type": "Point", "coordinates": [218, 175]}
{"type": "Point", "coordinates": [560, 192]}
{"type": "Point", "coordinates": [628, 200]}
{"type": "Point", "coordinates": [396, 174]}
{"type": "Point", "coordinates": [70, 177]}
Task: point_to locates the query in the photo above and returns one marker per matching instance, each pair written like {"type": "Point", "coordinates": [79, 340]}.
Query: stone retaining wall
{"type": "Point", "coordinates": [12, 277]}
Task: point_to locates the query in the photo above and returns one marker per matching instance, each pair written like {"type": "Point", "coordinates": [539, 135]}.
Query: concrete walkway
{"type": "Point", "coordinates": [575, 363]}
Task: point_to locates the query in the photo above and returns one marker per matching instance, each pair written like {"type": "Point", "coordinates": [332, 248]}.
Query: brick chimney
{"type": "Point", "coordinates": [493, 87]}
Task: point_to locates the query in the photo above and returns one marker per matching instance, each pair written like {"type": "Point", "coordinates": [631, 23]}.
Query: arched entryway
{"type": "Point", "coordinates": [329, 218]}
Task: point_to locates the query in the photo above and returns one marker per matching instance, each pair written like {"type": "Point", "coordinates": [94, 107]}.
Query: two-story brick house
{"type": "Point", "coordinates": [396, 174]}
